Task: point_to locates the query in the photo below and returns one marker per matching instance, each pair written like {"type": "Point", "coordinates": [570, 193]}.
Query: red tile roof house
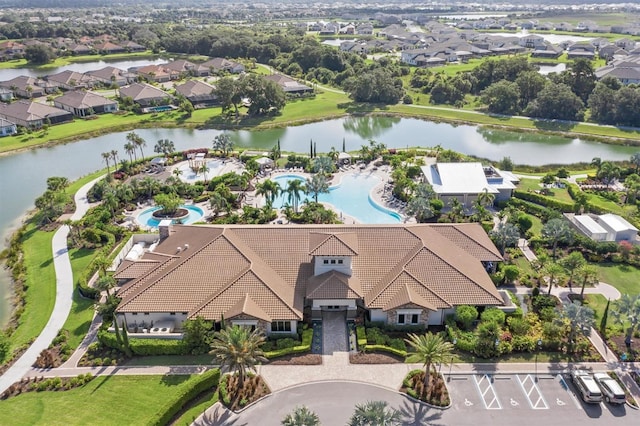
{"type": "Point", "coordinates": [71, 80]}
{"type": "Point", "coordinates": [145, 94]}
{"type": "Point", "coordinates": [83, 104]}
{"type": "Point", "coordinates": [273, 277]}
{"type": "Point", "coordinates": [157, 73]}
{"type": "Point", "coordinates": [33, 115]}
{"type": "Point", "coordinates": [24, 87]}
{"type": "Point", "coordinates": [110, 75]}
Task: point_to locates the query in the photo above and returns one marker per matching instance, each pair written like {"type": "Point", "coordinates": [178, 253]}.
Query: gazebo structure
{"type": "Point", "coordinates": [265, 163]}
{"type": "Point", "coordinates": [344, 158]}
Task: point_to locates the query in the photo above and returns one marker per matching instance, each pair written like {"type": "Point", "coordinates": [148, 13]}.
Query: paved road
{"type": "Point", "coordinates": [64, 295]}
{"type": "Point", "coordinates": [478, 400]}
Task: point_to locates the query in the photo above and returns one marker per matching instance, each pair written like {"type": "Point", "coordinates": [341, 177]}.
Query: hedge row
{"type": "Point", "coordinates": [145, 347]}
{"type": "Point", "coordinates": [305, 346]}
{"type": "Point", "coordinates": [361, 334]}
{"type": "Point", "coordinates": [202, 383]}
{"type": "Point", "coordinates": [384, 348]}
{"type": "Point", "coordinates": [563, 206]}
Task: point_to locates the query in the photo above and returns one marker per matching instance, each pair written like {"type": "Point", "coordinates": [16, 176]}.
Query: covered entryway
{"type": "Point", "coordinates": [334, 331]}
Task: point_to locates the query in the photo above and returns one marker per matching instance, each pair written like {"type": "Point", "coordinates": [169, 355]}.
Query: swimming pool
{"type": "Point", "coordinates": [351, 197]}
{"type": "Point", "coordinates": [146, 217]}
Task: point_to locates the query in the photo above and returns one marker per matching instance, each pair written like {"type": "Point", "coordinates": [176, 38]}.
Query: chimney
{"type": "Point", "coordinates": [165, 229]}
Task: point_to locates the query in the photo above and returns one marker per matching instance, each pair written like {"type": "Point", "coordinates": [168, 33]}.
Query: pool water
{"type": "Point", "coordinates": [146, 217]}
{"type": "Point", "coordinates": [351, 197]}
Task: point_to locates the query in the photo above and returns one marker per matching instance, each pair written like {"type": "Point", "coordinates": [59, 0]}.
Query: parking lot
{"type": "Point", "coordinates": [521, 394]}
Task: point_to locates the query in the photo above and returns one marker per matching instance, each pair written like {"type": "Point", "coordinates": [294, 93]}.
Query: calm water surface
{"type": "Point", "coordinates": [23, 176]}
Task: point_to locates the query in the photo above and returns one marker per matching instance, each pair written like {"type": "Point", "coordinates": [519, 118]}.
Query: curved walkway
{"type": "Point", "coordinates": [64, 295]}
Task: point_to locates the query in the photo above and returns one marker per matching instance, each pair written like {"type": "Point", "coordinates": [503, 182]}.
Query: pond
{"type": "Point", "coordinates": [81, 67]}
{"type": "Point", "coordinates": [23, 175]}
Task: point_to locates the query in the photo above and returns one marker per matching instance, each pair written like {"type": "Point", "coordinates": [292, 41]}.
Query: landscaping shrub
{"type": "Point", "coordinates": [494, 315]}
{"type": "Point", "coordinates": [398, 344]}
{"type": "Point", "coordinates": [384, 348]}
{"type": "Point", "coordinates": [361, 335]}
{"type": "Point", "coordinates": [376, 337]}
{"type": "Point", "coordinates": [552, 203]}
{"type": "Point", "coordinates": [302, 347]}
{"type": "Point", "coordinates": [145, 347]}
{"type": "Point", "coordinates": [202, 383]}
{"type": "Point", "coordinates": [466, 315]}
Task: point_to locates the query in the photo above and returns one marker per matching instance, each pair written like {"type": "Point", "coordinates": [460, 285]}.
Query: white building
{"type": "Point", "coordinates": [606, 227]}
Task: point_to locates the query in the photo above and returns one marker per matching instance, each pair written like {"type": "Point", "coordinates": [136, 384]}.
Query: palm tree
{"type": "Point", "coordinates": [164, 147]}
{"type": "Point", "coordinates": [608, 172]}
{"type": "Point", "coordinates": [375, 413]}
{"type": "Point", "coordinates": [635, 160]}
{"type": "Point", "coordinates": [114, 155]}
{"type": "Point", "coordinates": [137, 142]}
{"type": "Point", "coordinates": [204, 169]}
{"type": "Point", "coordinates": [428, 349]}
{"type": "Point", "coordinates": [420, 208]}
{"type": "Point", "coordinates": [149, 186]}
{"type": "Point", "coordinates": [177, 172]}
{"type": "Point", "coordinates": [294, 188]}
{"type": "Point", "coordinates": [456, 209]}
{"type": "Point", "coordinates": [317, 185]}
{"type": "Point", "coordinates": [627, 311]}
{"type": "Point", "coordinates": [597, 162]}
{"type": "Point", "coordinates": [588, 275]}
{"type": "Point", "coordinates": [579, 320]}
{"type": "Point", "coordinates": [301, 416]}
{"type": "Point", "coordinates": [323, 165]}
{"type": "Point", "coordinates": [106, 156]}
{"type": "Point", "coordinates": [270, 190]}
{"type": "Point", "coordinates": [485, 198]}
{"type": "Point", "coordinates": [554, 271]}
{"type": "Point", "coordinates": [572, 263]}
{"type": "Point", "coordinates": [223, 143]}
{"type": "Point", "coordinates": [504, 235]}
{"type": "Point", "coordinates": [130, 149]}
{"type": "Point", "coordinates": [557, 231]}
{"type": "Point", "coordinates": [105, 283]}
{"type": "Point", "coordinates": [217, 202]}
{"type": "Point", "coordinates": [110, 201]}
{"type": "Point", "coordinates": [333, 154]}
{"type": "Point", "coordinates": [238, 348]}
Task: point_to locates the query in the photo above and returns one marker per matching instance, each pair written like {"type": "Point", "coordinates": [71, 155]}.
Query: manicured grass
{"type": "Point", "coordinates": [623, 277]}
{"type": "Point", "coordinates": [107, 400]}
{"type": "Point", "coordinates": [198, 407]}
{"type": "Point", "coordinates": [81, 314]}
{"type": "Point", "coordinates": [523, 264]}
{"type": "Point", "coordinates": [534, 185]}
{"type": "Point", "coordinates": [597, 302]}
{"type": "Point", "coordinates": [41, 282]}
{"type": "Point", "coordinates": [171, 360]}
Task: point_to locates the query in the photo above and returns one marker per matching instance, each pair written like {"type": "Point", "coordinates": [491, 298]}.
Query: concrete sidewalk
{"type": "Point", "coordinates": [64, 295]}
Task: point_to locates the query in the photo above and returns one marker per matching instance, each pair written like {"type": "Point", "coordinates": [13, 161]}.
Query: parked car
{"type": "Point", "coordinates": [587, 386]}
{"type": "Point", "coordinates": [611, 389]}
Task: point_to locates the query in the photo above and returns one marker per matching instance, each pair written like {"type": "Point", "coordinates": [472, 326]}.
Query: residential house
{"type": "Point", "coordinates": [626, 72]}
{"type": "Point", "coordinates": [80, 49]}
{"type": "Point", "coordinates": [71, 80]}
{"type": "Point", "coordinates": [532, 41]}
{"type": "Point", "coordinates": [111, 75]}
{"type": "Point", "coordinates": [465, 181]}
{"type": "Point", "coordinates": [24, 87]}
{"type": "Point", "coordinates": [181, 67]}
{"type": "Point", "coordinates": [7, 128]}
{"type": "Point", "coordinates": [547, 50]}
{"type": "Point", "coordinates": [610, 51]}
{"type": "Point", "coordinates": [288, 84]}
{"type": "Point", "coordinates": [145, 95]}
{"type": "Point", "coordinates": [364, 29]}
{"type": "Point", "coordinates": [581, 50]}
{"type": "Point", "coordinates": [266, 277]}
{"type": "Point", "coordinates": [9, 49]}
{"type": "Point", "coordinates": [626, 44]}
{"type": "Point", "coordinates": [83, 104]}
{"type": "Point", "coordinates": [109, 48]}
{"type": "Point", "coordinates": [157, 73]}
{"type": "Point", "coordinates": [199, 93]}
{"type": "Point", "coordinates": [33, 115]}
{"type": "Point", "coordinates": [216, 65]}
{"type": "Point", "coordinates": [132, 46]}
{"type": "Point", "coordinates": [6, 95]}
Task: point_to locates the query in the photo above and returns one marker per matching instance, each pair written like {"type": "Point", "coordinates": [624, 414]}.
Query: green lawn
{"type": "Point", "coordinates": [561, 194]}
{"type": "Point", "coordinates": [171, 360]}
{"type": "Point", "coordinates": [79, 319]}
{"type": "Point", "coordinates": [107, 400]}
{"type": "Point", "coordinates": [41, 285]}
{"type": "Point", "coordinates": [597, 302]}
{"type": "Point", "coordinates": [623, 277]}
{"type": "Point", "coordinates": [198, 407]}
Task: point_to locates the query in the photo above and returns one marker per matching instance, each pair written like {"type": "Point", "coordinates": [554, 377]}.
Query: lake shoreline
{"type": "Point", "coordinates": [611, 140]}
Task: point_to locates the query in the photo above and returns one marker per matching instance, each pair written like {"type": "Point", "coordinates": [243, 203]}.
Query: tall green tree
{"type": "Point", "coordinates": [295, 188]}
{"type": "Point", "coordinates": [317, 185]}
{"type": "Point", "coordinates": [164, 146]}
{"type": "Point", "coordinates": [238, 349]}
{"type": "Point", "coordinates": [557, 102]}
{"type": "Point", "coordinates": [572, 263]}
{"type": "Point", "coordinates": [270, 190]}
{"type": "Point", "coordinates": [554, 273]}
{"type": "Point", "coordinates": [223, 143]}
{"type": "Point", "coordinates": [627, 311]}
{"type": "Point", "coordinates": [502, 97]}
{"type": "Point", "coordinates": [428, 349]}
{"type": "Point", "coordinates": [579, 319]}
{"type": "Point", "coordinates": [557, 231]}
{"type": "Point", "coordinates": [137, 141]}
{"type": "Point", "coordinates": [323, 164]}
{"type": "Point", "coordinates": [505, 235]}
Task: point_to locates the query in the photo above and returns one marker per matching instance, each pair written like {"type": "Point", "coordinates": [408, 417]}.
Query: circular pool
{"type": "Point", "coordinates": [146, 218]}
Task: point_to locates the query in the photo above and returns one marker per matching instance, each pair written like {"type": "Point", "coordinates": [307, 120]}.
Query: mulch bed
{"type": "Point", "coordinates": [619, 347]}
{"type": "Point", "coordinates": [374, 358]}
{"type": "Point", "coordinates": [304, 359]}
{"type": "Point", "coordinates": [254, 388]}
{"type": "Point", "coordinates": [437, 394]}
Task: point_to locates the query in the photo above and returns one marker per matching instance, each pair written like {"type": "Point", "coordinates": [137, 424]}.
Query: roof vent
{"type": "Point", "coordinates": [186, 246]}
{"type": "Point", "coordinates": [178, 249]}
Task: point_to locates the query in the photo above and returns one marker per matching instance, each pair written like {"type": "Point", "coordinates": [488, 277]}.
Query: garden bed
{"type": "Point", "coordinates": [302, 359]}
{"type": "Point", "coordinates": [236, 398]}
{"type": "Point", "coordinates": [374, 358]}
{"type": "Point", "coordinates": [437, 394]}
{"type": "Point", "coordinates": [40, 384]}
{"type": "Point", "coordinates": [616, 343]}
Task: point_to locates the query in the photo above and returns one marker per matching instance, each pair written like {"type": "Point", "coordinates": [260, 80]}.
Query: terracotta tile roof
{"type": "Point", "coordinates": [206, 270]}
{"type": "Point", "coordinates": [246, 306]}
{"type": "Point", "coordinates": [405, 296]}
{"type": "Point", "coordinates": [131, 270]}
{"type": "Point", "coordinates": [334, 285]}
{"type": "Point", "coordinates": [333, 244]}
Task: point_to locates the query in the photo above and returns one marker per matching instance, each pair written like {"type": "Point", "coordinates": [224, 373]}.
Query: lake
{"type": "Point", "coordinates": [23, 175]}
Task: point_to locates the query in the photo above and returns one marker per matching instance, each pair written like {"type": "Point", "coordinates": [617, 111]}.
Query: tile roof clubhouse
{"type": "Point", "coordinates": [271, 273]}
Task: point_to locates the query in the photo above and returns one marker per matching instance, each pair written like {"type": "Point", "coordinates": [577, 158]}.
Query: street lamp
{"type": "Point", "coordinates": [537, 350]}
{"type": "Point", "coordinates": [451, 362]}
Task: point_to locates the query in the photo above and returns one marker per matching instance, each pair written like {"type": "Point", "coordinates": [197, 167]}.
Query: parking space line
{"type": "Point", "coordinates": [485, 380]}
{"type": "Point", "coordinates": [532, 392]}
{"type": "Point", "coordinates": [565, 386]}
